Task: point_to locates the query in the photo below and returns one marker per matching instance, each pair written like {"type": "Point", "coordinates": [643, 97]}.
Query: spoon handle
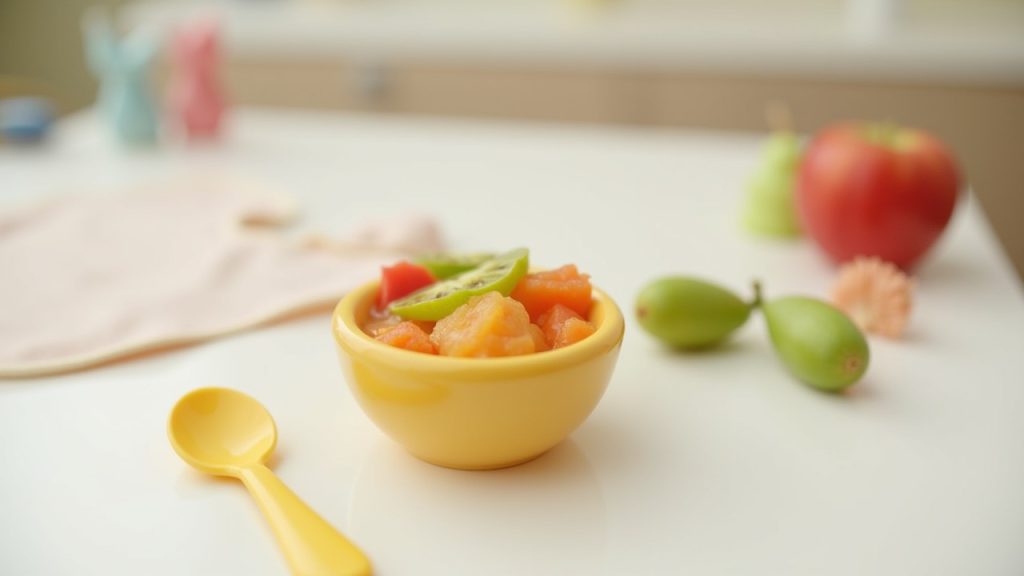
{"type": "Point", "coordinates": [312, 546]}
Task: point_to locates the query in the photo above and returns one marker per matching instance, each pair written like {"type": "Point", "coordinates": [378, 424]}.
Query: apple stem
{"type": "Point", "coordinates": [886, 134]}
{"type": "Point", "coordinates": [756, 302]}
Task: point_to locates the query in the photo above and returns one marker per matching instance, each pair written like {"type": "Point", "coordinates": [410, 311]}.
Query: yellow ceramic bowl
{"type": "Point", "coordinates": [476, 413]}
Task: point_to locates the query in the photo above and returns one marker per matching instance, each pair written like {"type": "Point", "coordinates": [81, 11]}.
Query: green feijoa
{"type": "Point", "coordinates": [447, 265]}
{"type": "Point", "coordinates": [817, 342]}
{"type": "Point", "coordinates": [499, 274]}
{"type": "Point", "coordinates": [687, 312]}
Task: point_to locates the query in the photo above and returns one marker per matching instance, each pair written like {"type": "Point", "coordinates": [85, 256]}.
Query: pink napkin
{"type": "Point", "coordinates": [90, 279]}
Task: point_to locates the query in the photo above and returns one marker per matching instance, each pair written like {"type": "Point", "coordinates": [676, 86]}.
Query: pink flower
{"type": "Point", "coordinates": [875, 294]}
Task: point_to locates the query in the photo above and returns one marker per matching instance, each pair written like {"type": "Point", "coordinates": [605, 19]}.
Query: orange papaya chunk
{"type": "Point", "coordinates": [563, 326]}
{"type": "Point", "coordinates": [574, 330]}
{"type": "Point", "coordinates": [489, 325]}
{"type": "Point", "coordinates": [540, 342]}
{"type": "Point", "coordinates": [408, 336]}
{"type": "Point", "coordinates": [540, 291]}
{"type": "Point", "coordinates": [378, 325]}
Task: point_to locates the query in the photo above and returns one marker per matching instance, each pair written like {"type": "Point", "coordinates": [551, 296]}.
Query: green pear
{"type": "Point", "coordinates": [770, 208]}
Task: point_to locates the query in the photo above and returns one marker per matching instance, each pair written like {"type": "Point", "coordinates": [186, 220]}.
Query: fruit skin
{"type": "Point", "coordinates": [542, 290]}
{"type": "Point", "coordinates": [401, 279]}
{"type": "Point", "coordinates": [817, 342]}
{"type": "Point", "coordinates": [876, 190]}
{"type": "Point", "coordinates": [459, 289]}
{"type": "Point", "coordinates": [686, 312]}
{"type": "Point", "coordinates": [770, 208]}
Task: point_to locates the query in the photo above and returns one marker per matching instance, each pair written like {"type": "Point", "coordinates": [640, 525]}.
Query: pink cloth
{"type": "Point", "coordinates": [90, 279]}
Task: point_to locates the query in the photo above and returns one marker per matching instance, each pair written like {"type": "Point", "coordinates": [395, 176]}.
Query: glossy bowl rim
{"type": "Point", "coordinates": [351, 338]}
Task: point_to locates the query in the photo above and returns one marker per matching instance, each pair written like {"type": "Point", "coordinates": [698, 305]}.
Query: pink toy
{"type": "Point", "coordinates": [197, 103]}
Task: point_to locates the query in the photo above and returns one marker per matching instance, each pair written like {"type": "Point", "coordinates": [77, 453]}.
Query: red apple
{"type": "Point", "coordinates": [876, 190]}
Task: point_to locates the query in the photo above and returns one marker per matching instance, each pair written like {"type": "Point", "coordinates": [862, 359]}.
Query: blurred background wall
{"type": "Point", "coordinates": [952, 67]}
{"type": "Point", "coordinates": [41, 50]}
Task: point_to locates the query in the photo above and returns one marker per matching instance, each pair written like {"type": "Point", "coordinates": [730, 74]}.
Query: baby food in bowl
{"type": "Point", "coordinates": [489, 310]}
{"type": "Point", "coordinates": [473, 361]}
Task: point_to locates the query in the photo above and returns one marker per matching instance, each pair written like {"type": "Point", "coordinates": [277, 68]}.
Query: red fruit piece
{"type": "Point", "coordinates": [400, 280]}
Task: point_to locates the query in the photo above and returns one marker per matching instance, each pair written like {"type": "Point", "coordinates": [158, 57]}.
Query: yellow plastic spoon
{"type": "Point", "coordinates": [227, 433]}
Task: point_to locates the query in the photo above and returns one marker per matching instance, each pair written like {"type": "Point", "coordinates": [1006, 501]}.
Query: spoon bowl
{"type": "Point", "coordinates": [221, 431]}
{"type": "Point", "coordinates": [228, 433]}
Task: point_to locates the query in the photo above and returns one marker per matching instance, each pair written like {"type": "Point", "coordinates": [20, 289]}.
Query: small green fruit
{"type": "Point", "coordinates": [770, 208]}
{"type": "Point", "coordinates": [817, 343]}
{"type": "Point", "coordinates": [689, 313]}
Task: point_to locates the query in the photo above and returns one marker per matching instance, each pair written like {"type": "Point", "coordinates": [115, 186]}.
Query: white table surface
{"type": "Point", "coordinates": [715, 463]}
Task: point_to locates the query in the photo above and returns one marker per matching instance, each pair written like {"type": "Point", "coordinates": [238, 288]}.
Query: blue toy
{"type": "Point", "coordinates": [123, 66]}
{"type": "Point", "coordinates": [26, 119]}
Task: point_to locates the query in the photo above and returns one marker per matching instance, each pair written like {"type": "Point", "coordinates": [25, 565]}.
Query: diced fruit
{"type": "Point", "coordinates": [489, 325]}
{"type": "Point", "coordinates": [401, 279]}
{"type": "Point", "coordinates": [447, 265]}
{"type": "Point", "coordinates": [479, 306]}
{"type": "Point", "coordinates": [408, 336]}
{"type": "Point", "coordinates": [377, 325]}
{"type": "Point", "coordinates": [380, 324]}
{"type": "Point", "coordinates": [566, 286]}
{"type": "Point", "coordinates": [574, 330]}
{"type": "Point", "coordinates": [553, 319]}
{"type": "Point", "coordinates": [540, 343]}
{"type": "Point", "coordinates": [499, 274]}
{"type": "Point", "coordinates": [563, 326]}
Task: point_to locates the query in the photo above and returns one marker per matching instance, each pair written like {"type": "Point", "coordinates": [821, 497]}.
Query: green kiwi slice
{"type": "Point", "coordinates": [440, 299]}
{"type": "Point", "coordinates": [444, 266]}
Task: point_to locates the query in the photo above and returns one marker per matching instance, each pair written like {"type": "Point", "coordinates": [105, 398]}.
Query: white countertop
{"type": "Point", "coordinates": [984, 44]}
{"type": "Point", "coordinates": [715, 463]}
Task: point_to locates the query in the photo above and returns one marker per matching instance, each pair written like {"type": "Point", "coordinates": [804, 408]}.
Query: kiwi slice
{"type": "Point", "coordinates": [447, 265]}
{"type": "Point", "coordinates": [499, 274]}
